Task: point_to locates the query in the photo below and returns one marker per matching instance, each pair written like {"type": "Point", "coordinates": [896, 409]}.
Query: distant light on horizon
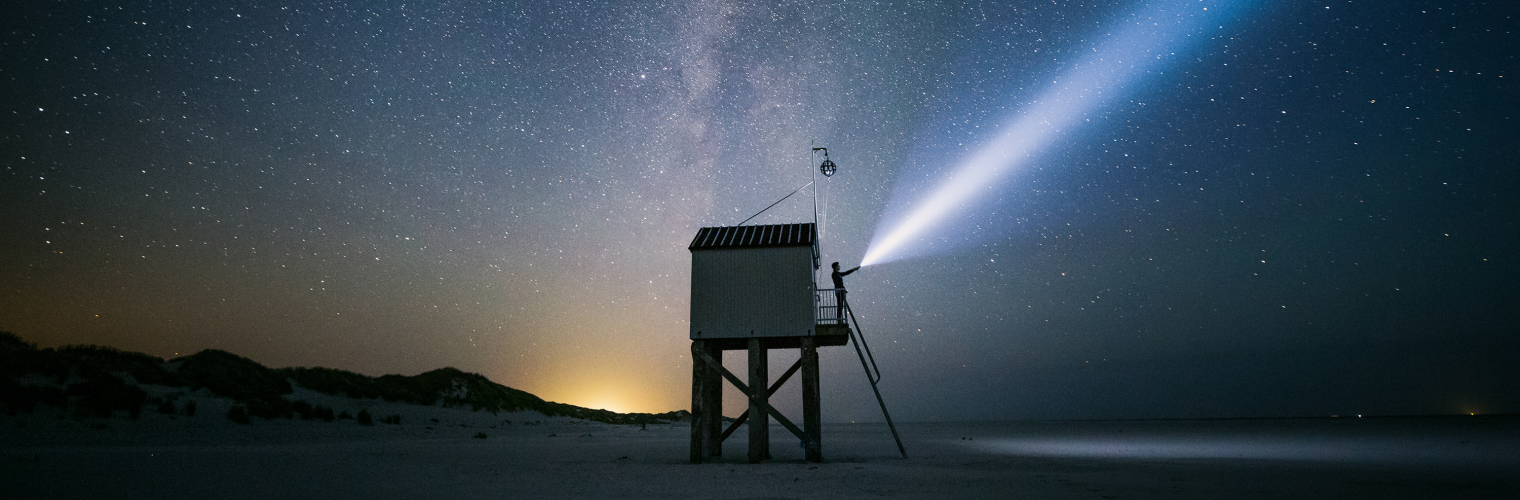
{"type": "Point", "coordinates": [1144, 40]}
{"type": "Point", "coordinates": [1372, 445]}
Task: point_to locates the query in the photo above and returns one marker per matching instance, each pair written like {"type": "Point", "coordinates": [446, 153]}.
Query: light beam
{"type": "Point", "coordinates": [1141, 43]}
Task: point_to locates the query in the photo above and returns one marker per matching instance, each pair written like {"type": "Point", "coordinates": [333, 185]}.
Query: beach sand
{"type": "Point", "coordinates": [527, 455]}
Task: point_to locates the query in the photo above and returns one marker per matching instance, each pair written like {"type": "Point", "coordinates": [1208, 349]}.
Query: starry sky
{"type": "Point", "coordinates": [1303, 208]}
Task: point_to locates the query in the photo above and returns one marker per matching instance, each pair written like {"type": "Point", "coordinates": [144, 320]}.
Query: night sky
{"type": "Point", "coordinates": [1288, 209]}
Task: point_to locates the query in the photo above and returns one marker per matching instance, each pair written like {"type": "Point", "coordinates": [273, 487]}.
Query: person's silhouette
{"type": "Point", "coordinates": [839, 291]}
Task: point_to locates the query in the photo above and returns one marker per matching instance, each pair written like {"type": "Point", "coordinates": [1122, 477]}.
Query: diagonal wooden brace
{"type": "Point", "coordinates": [771, 392]}
{"type": "Point", "coordinates": [744, 388]}
{"type": "Point", "coordinates": [789, 372]}
{"type": "Point", "coordinates": [726, 374]}
{"type": "Point", "coordinates": [738, 422]}
{"type": "Point", "coordinates": [786, 423]}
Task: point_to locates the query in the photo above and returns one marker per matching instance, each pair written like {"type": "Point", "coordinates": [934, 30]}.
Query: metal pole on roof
{"type": "Point", "coordinates": [812, 154]}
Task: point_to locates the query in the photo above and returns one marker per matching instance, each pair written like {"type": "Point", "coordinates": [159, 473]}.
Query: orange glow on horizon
{"type": "Point", "coordinates": [600, 355]}
{"type": "Point", "coordinates": [608, 398]}
{"type": "Point", "coordinates": [605, 390]}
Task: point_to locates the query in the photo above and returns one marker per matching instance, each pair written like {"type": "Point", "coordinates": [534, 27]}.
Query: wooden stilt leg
{"type": "Point", "coordinates": [699, 435]}
{"type": "Point", "coordinates": [812, 420]}
{"type": "Point", "coordinates": [759, 418]}
{"type": "Point", "coordinates": [714, 395]}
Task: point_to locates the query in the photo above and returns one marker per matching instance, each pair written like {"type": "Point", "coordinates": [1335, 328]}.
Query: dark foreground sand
{"type": "Point", "coordinates": [530, 456]}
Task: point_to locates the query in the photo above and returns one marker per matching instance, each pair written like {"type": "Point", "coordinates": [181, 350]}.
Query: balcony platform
{"type": "Point", "coordinates": [826, 335]}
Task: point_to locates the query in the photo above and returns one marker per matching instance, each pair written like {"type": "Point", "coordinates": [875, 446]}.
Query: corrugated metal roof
{"type": "Point", "coordinates": [775, 235]}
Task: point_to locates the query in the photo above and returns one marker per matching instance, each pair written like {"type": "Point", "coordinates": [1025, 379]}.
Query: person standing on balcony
{"type": "Point", "coordinates": [839, 291]}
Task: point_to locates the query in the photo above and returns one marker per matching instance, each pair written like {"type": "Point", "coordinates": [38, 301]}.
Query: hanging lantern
{"type": "Point", "coordinates": [827, 168]}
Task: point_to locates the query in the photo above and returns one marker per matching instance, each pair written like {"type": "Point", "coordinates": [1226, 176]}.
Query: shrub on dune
{"type": "Point", "coordinates": [143, 368]}
{"type": "Point", "coordinates": [99, 396]}
{"type": "Point", "coordinates": [239, 414]}
{"type": "Point", "coordinates": [232, 376]}
{"type": "Point", "coordinates": [303, 408]}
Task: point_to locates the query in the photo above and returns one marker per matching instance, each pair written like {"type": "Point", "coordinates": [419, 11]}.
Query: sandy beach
{"type": "Point", "coordinates": [441, 452]}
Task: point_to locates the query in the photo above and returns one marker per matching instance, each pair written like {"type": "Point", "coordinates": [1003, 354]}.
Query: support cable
{"type": "Point", "coordinates": [783, 198]}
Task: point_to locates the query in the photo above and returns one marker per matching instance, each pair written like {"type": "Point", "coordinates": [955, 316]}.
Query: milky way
{"type": "Point", "coordinates": [1307, 211]}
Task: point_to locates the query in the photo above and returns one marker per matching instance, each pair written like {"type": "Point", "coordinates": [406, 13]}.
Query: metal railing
{"type": "Point", "coordinates": [830, 306]}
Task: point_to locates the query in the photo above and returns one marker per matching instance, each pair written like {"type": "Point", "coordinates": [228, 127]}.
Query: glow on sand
{"type": "Point", "coordinates": [1141, 43]}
